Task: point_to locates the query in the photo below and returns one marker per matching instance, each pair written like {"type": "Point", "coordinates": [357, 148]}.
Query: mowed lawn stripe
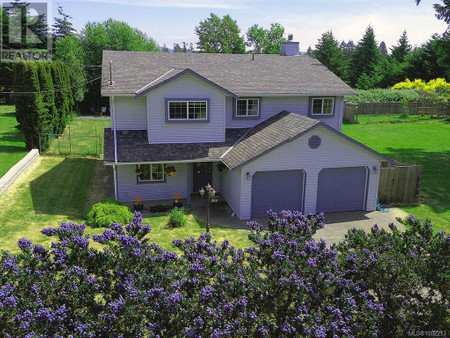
{"type": "Point", "coordinates": [425, 142]}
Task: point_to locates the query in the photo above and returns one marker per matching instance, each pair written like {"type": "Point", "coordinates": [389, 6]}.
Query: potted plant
{"type": "Point", "coordinates": [177, 203]}
{"type": "Point", "coordinates": [171, 170]}
{"type": "Point", "coordinates": [138, 206]}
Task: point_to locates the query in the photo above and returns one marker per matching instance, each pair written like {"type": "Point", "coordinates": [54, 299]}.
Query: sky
{"type": "Point", "coordinates": [169, 21]}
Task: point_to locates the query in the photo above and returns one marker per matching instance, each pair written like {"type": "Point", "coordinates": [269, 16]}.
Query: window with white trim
{"type": "Point", "coordinates": [150, 172]}
{"type": "Point", "coordinates": [187, 110]}
{"type": "Point", "coordinates": [322, 106]}
{"type": "Point", "coordinates": [247, 107]}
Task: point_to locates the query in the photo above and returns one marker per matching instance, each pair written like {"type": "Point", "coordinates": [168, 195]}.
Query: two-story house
{"type": "Point", "coordinates": [264, 130]}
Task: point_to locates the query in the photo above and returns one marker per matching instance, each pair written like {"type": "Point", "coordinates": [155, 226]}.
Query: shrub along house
{"type": "Point", "coordinates": [264, 130]}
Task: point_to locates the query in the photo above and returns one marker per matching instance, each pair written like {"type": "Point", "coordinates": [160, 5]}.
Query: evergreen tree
{"type": "Point", "coordinates": [30, 110]}
{"type": "Point", "coordinates": [64, 100]}
{"type": "Point", "coordinates": [62, 26]}
{"type": "Point", "coordinates": [431, 60]}
{"type": "Point", "coordinates": [347, 48]}
{"type": "Point", "coordinates": [177, 48]}
{"type": "Point", "coordinates": [266, 41]}
{"type": "Point", "coordinates": [327, 51]}
{"type": "Point", "coordinates": [310, 51]}
{"type": "Point", "coordinates": [442, 11]}
{"type": "Point", "coordinates": [402, 49]}
{"type": "Point", "coordinates": [365, 57]}
{"type": "Point", "coordinates": [218, 35]}
{"type": "Point", "coordinates": [383, 48]}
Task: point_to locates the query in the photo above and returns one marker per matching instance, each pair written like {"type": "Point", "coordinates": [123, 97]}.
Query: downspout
{"type": "Point", "coordinates": [113, 113]}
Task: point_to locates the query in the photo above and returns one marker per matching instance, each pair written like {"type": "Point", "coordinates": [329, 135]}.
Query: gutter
{"type": "Point", "coordinates": [113, 115]}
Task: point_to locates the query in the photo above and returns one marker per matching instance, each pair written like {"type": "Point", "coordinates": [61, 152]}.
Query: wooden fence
{"type": "Point", "coordinates": [350, 112]}
{"type": "Point", "coordinates": [394, 108]}
{"type": "Point", "coordinates": [400, 184]}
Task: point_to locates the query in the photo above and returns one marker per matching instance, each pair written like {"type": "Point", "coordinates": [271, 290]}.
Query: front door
{"type": "Point", "coordinates": [202, 175]}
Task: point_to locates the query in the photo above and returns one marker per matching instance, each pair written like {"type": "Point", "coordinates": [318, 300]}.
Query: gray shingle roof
{"type": "Point", "coordinates": [266, 136]}
{"type": "Point", "coordinates": [134, 147]}
{"type": "Point", "coordinates": [237, 73]}
{"type": "Point", "coordinates": [240, 147]}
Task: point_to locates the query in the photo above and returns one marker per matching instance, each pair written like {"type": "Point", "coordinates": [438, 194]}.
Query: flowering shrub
{"type": "Point", "coordinates": [438, 85]}
{"type": "Point", "coordinates": [407, 272]}
{"type": "Point", "coordinates": [287, 285]}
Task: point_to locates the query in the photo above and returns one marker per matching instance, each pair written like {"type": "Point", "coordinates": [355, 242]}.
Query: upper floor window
{"type": "Point", "coordinates": [150, 172]}
{"type": "Point", "coordinates": [187, 110]}
{"type": "Point", "coordinates": [247, 107]}
{"type": "Point", "coordinates": [322, 106]}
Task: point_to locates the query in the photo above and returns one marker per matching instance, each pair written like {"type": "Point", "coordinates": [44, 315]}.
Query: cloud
{"type": "Point", "coordinates": [388, 25]}
{"type": "Point", "coordinates": [215, 4]}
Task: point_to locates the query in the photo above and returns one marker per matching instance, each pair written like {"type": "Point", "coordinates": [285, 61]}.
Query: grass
{"type": "Point", "coordinates": [12, 145]}
{"type": "Point", "coordinates": [163, 235]}
{"type": "Point", "coordinates": [415, 140]}
{"type": "Point", "coordinates": [83, 136]}
{"type": "Point", "coordinates": [56, 189]}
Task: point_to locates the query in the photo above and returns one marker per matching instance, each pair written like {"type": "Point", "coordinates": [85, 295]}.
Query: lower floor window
{"type": "Point", "coordinates": [150, 172]}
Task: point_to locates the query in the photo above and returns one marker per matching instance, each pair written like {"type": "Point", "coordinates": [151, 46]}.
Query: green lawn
{"type": "Point", "coordinates": [12, 145]}
{"type": "Point", "coordinates": [164, 235]}
{"type": "Point", "coordinates": [83, 136]}
{"type": "Point", "coordinates": [56, 189]}
{"type": "Point", "coordinates": [416, 140]}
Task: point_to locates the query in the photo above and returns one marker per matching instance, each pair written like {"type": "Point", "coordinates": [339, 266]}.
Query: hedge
{"type": "Point", "coordinates": [43, 99]}
{"type": "Point", "coordinates": [384, 95]}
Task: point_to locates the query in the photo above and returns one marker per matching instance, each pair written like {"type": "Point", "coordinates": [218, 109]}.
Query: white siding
{"type": "Point", "coordinates": [131, 113]}
{"type": "Point", "coordinates": [186, 87]}
{"type": "Point", "coordinates": [230, 184]}
{"type": "Point", "coordinates": [128, 188]}
{"type": "Point", "coordinates": [271, 106]}
{"type": "Point", "coordinates": [334, 152]}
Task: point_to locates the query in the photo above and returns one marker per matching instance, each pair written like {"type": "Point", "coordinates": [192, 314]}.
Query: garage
{"type": "Point", "coordinates": [277, 190]}
{"type": "Point", "coordinates": [342, 189]}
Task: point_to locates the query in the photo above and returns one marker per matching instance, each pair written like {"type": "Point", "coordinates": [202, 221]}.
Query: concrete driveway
{"type": "Point", "coordinates": [337, 224]}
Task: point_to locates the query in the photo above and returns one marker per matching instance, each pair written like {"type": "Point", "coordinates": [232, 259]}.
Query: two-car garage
{"type": "Point", "coordinates": [339, 189]}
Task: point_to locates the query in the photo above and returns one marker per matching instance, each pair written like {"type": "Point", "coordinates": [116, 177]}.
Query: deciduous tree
{"type": "Point", "coordinates": [266, 41]}
{"type": "Point", "coordinates": [218, 35]}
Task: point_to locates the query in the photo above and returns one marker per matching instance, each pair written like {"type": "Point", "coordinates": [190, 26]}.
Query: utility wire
{"type": "Point", "coordinates": [49, 91]}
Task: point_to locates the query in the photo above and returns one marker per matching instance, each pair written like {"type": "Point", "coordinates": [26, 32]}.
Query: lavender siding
{"type": "Point", "coordinates": [230, 184]}
{"type": "Point", "coordinates": [334, 152]}
{"type": "Point", "coordinates": [128, 188]}
{"type": "Point", "coordinates": [131, 113]}
{"type": "Point", "coordinates": [270, 106]}
{"type": "Point", "coordinates": [185, 87]}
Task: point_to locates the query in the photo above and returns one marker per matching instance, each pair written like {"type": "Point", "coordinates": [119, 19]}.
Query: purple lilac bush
{"type": "Point", "coordinates": [288, 284]}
